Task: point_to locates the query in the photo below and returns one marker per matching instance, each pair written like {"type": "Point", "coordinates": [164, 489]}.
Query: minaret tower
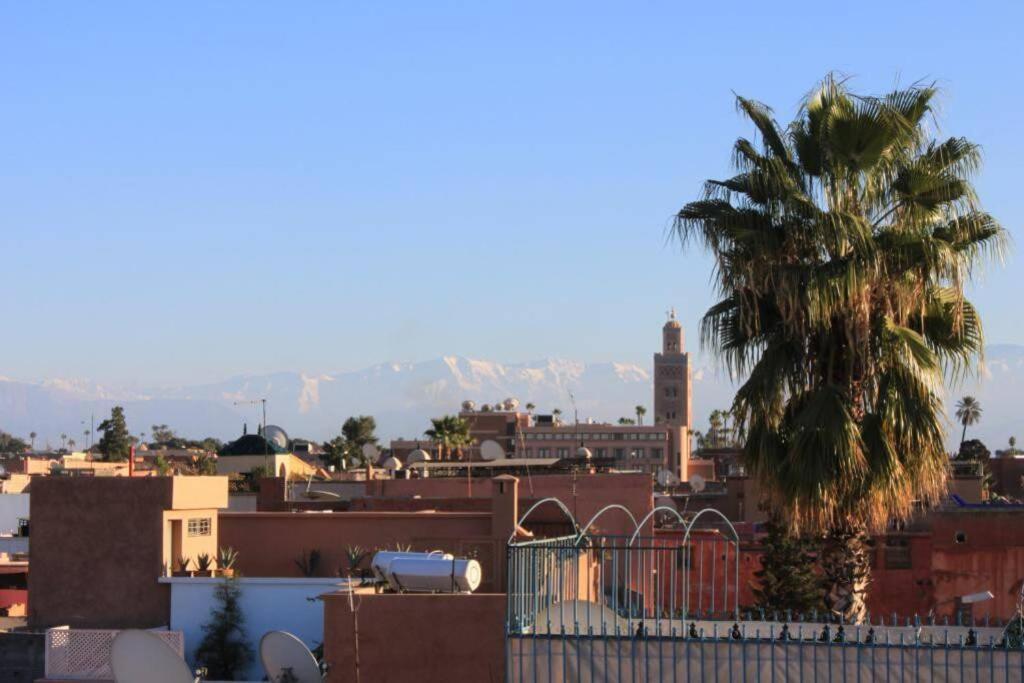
{"type": "Point", "coordinates": [672, 388]}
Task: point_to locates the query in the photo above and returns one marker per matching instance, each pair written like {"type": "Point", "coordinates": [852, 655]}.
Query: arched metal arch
{"type": "Point", "coordinates": [736, 543]}
{"type": "Point", "coordinates": [606, 508]}
{"type": "Point", "coordinates": [693, 523]}
{"type": "Point", "coordinates": [649, 515]}
{"type": "Point", "coordinates": [536, 505]}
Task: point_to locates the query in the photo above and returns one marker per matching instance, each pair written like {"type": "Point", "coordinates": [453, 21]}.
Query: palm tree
{"type": "Point", "coordinates": [530, 407]}
{"type": "Point", "coordinates": [71, 444]}
{"type": "Point", "coordinates": [640, 412]}
{"type": "Point", "coordinates": [968, 412]}
{"type": "Point", "coordinates": [63, 441]}
{"type": "Point", "coordinates": [32, 437]}
{"type": "Point", "coordinates": [842, 247]}
{"type": "Point", "coordinates": [450, 433]}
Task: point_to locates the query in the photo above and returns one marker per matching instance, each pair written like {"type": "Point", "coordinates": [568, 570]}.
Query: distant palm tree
{"type": "Point", "coordinates": [32, 436]}
{"type": "Point", "coordinates": [63, 440]}
{"type": "Point", "coordinates": [640, 412]}
{"type": "Point", "coordinates": [968, 412]}
{"type": "Point", "coordinates": [71, 444]}
{"type": "Point", "coordinates": [530, 407]}
{"type": "Point", "coordinates": [450, 433]}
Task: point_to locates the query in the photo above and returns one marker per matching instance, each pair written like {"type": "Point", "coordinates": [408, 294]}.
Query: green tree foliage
{"type": "Point", "coordinates": [626, 421]}
{"type": "Point", "coordinates": [11, 444]}
{"type": "Point", "coordinates": [787, 578]}
{"type": "Point", "coordinates": [161, 434]}
{"type": "Point", "coordinates": [640, 412]}
{"type": "Point", "coordinates": [842, 247]}
{"type": "Point", "coordinates": [224, 650]}
{"type": "Point", "coordinates": [975, 450]}
{"type": "Point", "coordinates": [346, 449]}
{"type": "Point", "coordinates": [162, 467]}
{"type": "Point", "coordinates": [450, 433]}
{"type": "Point", "coordinates": [115, 444]}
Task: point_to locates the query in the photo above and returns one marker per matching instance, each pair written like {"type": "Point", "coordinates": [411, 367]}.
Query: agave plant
{"type": "Point", "coordinates": [226, 558]}
{"type": "Point", "coordinates": [203, 563]}
{"type": "Point", "coordinates": [355, 555]}
{"type": "Point", "coordinates": [842, 248]}
{"type": "Point", "coordinates": [309, 562]}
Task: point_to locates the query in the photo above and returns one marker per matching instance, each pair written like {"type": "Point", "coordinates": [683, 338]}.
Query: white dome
{"type": "Point", "coordinates": [584, 452]}
{"type": "Point", "coordinates": [511, 404]}
{"type": "Point", "coordinates": [418, 455]}
{"type": "Point", "coordinates": [469, 406]}
{"type": "Point", "coordinates": [391, 463]}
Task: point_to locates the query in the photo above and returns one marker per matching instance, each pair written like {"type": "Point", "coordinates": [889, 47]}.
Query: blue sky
{"type": "Point", "coordinates": [194, 190]}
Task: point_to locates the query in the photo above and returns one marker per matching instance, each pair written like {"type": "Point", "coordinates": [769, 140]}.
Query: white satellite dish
{"type": "Point", "coordinates": [371, 452]}
{"type": "Point", "coordinates": [282, 653]}
{"type": "Point", "coordinates": [491, 450]}
{"type": "Point", "coordinates": [697, 483]}
{"type": "Point", "coordinates": [141, 657]}
{"type": "Point", "coordinates": [277, 436]}
{"type": "Point", "coordinates": [667, 478]}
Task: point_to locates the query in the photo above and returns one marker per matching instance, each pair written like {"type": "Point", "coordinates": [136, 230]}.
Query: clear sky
{"type": "Point", "coordinates": [192, 190]}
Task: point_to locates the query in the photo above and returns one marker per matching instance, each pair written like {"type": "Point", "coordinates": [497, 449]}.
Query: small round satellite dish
{"type": "Point", "coordinates": [142, 657]}
{"type": "Point", "coordinates": [697, 483]}
{"type": "Point", "coordinates": [491, 450]}
{"type": "Point", "coordinates": [371, 452]}
{"type": "Point", "coordinates": [281, 651]}
{"type": "Point", "coordinates": [277, 436]}
{"type": "Point", "coordinates": [583, 453]}
{"type": "Point", "coordinates": [468, 406]}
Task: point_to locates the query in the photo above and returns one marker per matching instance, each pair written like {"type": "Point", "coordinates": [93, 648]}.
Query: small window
{"type": "Point", "coordinates": [199, 526]}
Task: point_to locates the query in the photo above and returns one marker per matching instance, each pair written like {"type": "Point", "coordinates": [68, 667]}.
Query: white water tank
{"type": "Point", "coordinates": [383, 559]}
{"type": "Point", "coordinates": [422, 575]}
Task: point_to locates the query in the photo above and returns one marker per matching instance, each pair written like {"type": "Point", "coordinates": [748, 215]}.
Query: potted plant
{"type": "Point", "coordinates": [226, 561]}
{"type": "Point", "coordinates": [355, 554]}
{"type": "Point", "coordinates": [204, 565]}
{"type": "Point", "coordinates": [182, 567]}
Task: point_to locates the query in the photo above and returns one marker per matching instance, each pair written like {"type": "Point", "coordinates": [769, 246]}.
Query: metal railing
{"type": "Point", "coordinates": [608, 584]}
{"type": "Point", "coordinates": [758, 651]}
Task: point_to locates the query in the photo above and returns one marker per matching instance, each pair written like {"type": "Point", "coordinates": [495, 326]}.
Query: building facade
{"type": "Point", "coordinates": [663, 445]}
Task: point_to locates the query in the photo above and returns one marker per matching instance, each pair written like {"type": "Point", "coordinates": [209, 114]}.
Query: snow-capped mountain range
{"type": "Point", "coordinates": [402, 396]}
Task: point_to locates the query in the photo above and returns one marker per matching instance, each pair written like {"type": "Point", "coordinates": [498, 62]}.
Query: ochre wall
{"type": "Point", "coordinates": [269, 543]}
{"type": "Point", "coordinates": [584, 495]}
{"type": "Point", "coordinates": [97, 548]}
{"type": "Point", "coordinates": [417, 638]}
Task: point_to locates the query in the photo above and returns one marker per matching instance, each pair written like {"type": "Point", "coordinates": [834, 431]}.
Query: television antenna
{"type": "Point", "coordinates": [142, 657]}
{"type": "Point", "coordinates": [266, 444]}
{"type": "Point", "coordinates": [286, 658]}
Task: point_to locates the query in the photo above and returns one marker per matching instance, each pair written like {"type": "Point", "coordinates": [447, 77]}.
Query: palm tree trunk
{"type": "Point", "coordinates": [963, 434]}
{"type": "Point", "coordinates": [846, 565]}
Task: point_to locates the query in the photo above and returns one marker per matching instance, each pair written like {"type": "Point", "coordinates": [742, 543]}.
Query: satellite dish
{"type": "Point", "coordinates": [491, 450]}
{"type": "Point", "coordinates": [468, 406]}
{"type": "Point", "coordinates": [668, 478]}
{"type": "Point", "coordinates": [371, 452]}
{"type": "Point", "coordinates": [697, 483]}
{"type": "Point", "coordinates": [282, 652]}
{"type": "Point", "coordinates": [142, 657]}
{"type": "Point", "coordinates": [277, 436]}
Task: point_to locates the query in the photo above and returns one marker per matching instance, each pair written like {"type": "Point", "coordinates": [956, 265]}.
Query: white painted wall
{"type": "Point", "coordinates": [13, 544]}
{"type": "Point", "coordinates": [269, 604]}
{"type": "Point", "coordinates": [12, 507]}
